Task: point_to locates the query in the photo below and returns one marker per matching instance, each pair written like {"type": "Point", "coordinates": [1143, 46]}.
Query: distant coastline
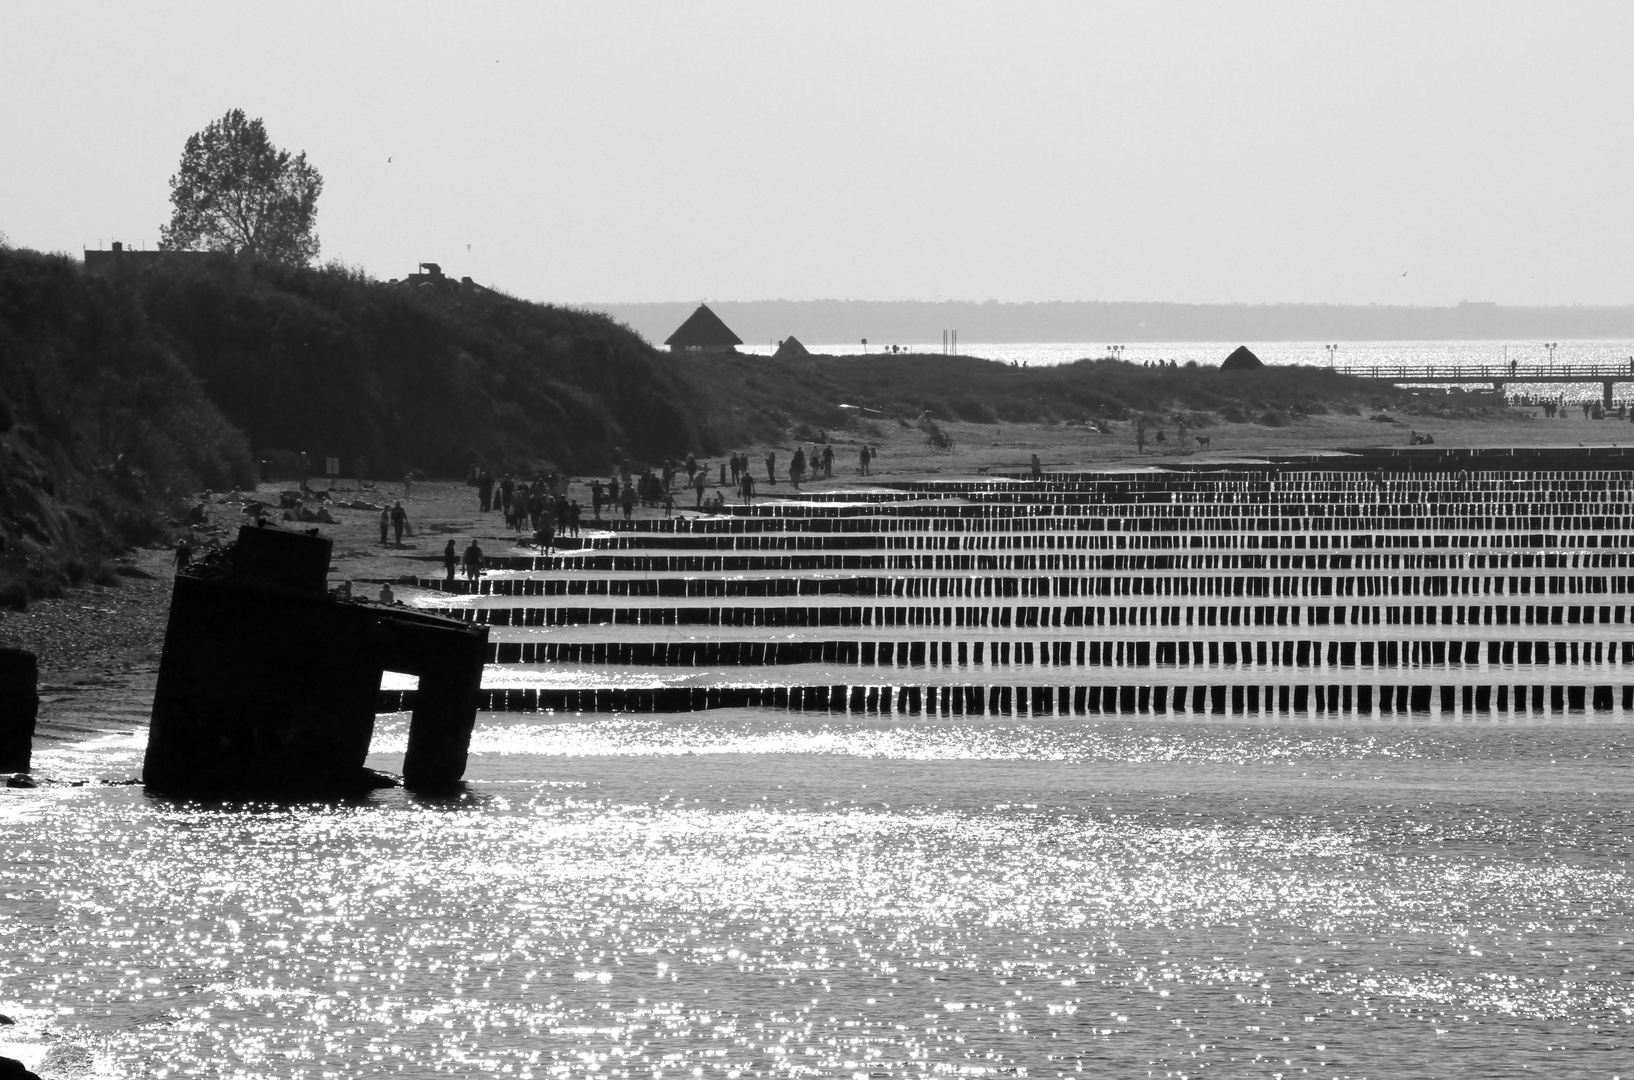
{"type": "Point", "coordinates": [1074, 321]}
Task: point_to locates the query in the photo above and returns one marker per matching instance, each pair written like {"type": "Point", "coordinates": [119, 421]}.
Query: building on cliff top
{"type": "Point", "coordinates": [120, 256]}
{"type": "Point", "coordinates": [703, 332]}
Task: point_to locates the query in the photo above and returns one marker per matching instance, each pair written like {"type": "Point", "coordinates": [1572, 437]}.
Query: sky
{"type": "Point", "coordinates": [1392, 153]}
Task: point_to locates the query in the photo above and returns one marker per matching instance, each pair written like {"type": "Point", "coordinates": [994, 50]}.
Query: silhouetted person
{"type": "Point", "coordinates": [385, 525]}
{"type": "Point", "coordinates": [797, 466]}
{"type": "Point", "coordinates": [399, 521]}
{"type": "Point", "coordinates": [828, 462]}
{"type": "Point", "coordinates": [451, 559]}
{"type": "Point", "coordinates": [184, 555]}
{"type": "Point", "coordinates": [386, 595]}
{"type": "Point", "coordinates": [863, 458]}
{"type": "Point", "coordinates": [1038, 468]}
{"type": "Point", "coordinates": [485, 491]}
{"type": "Point", "coordinates": [746, 487]}
{"type": "Point", "coordinates": [698, 486]}
{"type": "Point", "coordinates": [626, 501]}
{"type": "Point", "coordinates": [595, 498]}
{"type": "Point", "coordinates": [771, 467]}
{"type": "Point", "coordinates": [472, 560]}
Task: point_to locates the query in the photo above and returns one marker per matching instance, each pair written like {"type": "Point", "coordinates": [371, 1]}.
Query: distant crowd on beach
{"type": "Point", "coordinates": [540, 506]}
{"type": "Point", "coordinates": [1557, 407]}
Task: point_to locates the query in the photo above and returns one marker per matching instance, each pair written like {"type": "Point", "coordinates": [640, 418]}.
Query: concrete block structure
{"type": "Point", "coordinates": [268, 684]}
{"type": "Point", "coordinates": [19, 708]}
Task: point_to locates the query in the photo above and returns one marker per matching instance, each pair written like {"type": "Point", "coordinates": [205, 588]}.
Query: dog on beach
{"type": "Point", "coordinates": [1202, 441]}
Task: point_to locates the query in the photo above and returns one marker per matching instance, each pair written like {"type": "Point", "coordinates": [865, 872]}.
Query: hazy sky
{"type": "Point", "coordinates": [1012, 151]}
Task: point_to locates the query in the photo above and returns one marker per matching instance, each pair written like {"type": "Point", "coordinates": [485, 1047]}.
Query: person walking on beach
{"type": "Point", "coordinates": [1038, 468]}
{"type": "Point", "coordinates": [626, 500]}
{"type": "Point", "coordinates": [451, 559]}
{"type": "Point", "coordinates": [863, 458]}
{"type": "Point", "coordinates": [408, 482]}
{"type": "Point", "coordinates": [472, 560]}
{"type": "Point", "coordinates": [399, 521]}
{"type": "Point", "coordinates": [746, 487]}
{"type": "Point", "coordinates": [385, 525]}
{"type": "Point", "coordinates": [797, 467]}
{"type": "Point", "coordinates": [595, 498]}
{"type": "Point", "coordinates": [698, 486]}
{"type": "Point", "coordinates": [485, 490]}
{"type": "Point", "coordinates": [828, 462]}
{"type": "Point", "coordinates": [771, 466]}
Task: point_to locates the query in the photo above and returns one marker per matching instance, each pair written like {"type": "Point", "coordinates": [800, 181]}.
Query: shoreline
{"type": "Point", "coordinates": [99, 645]}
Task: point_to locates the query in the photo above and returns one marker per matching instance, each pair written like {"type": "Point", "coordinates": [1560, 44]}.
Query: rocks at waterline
{"type": "Point", "coordinates": [12, 1069]}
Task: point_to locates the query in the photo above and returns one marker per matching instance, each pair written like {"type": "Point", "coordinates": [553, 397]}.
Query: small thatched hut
{"type": "Point", "coordinates": [703, 331]}
{"type": "Point", "coordinates": [790, 349]}
{"type": "Point", "coordinates": [1241, 359]}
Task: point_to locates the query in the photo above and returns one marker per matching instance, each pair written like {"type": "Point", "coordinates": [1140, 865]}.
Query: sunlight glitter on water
{"type": "Point", "coordinates": [808, 915]}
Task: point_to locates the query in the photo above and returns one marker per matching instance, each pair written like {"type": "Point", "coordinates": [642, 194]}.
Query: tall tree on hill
{"type": "Point", "coordinates": [237, 192]}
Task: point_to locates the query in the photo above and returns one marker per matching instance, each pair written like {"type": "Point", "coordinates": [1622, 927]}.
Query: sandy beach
{"type": "Point", "coordinates": [99, 645]}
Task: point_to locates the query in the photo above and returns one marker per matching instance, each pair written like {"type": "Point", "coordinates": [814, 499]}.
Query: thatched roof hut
{"type": "Point", "coordinates": [703, 331]}
{"type": "Point", "coordinates": [1241, 359]}
{"type": "Point", "coordinates": [790, 348]}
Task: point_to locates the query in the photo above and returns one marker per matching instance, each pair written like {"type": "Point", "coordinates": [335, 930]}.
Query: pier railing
{"type": "Point", "coordinates": [1458, 372]}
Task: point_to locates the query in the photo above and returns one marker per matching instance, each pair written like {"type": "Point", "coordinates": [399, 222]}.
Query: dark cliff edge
{"type": "Point", "coordinates": [127, 388]}
{"type": "Point", "coordinates": [102, 428]}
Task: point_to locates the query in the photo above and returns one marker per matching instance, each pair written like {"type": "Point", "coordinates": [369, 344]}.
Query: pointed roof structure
{"type": "Point", "coordinates": [790, 348]}
{"type": "Point", "coordinates": [703, 331]}
{"type": "Point", "coordinates": [1242, 358]}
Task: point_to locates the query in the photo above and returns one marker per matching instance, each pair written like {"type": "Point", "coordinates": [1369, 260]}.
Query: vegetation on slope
{"type": "Point", "coordinates": [758, 398]}
{"type": "Point", "coordinates": [429, 377]}
{"type": "Point", "coordinates": [127, 389]}
{"type": "Point", "coordinates": [102, 429]}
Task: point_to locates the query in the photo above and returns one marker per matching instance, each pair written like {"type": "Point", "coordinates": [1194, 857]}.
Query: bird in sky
{"type": "Point", "coordinates": [388, 161]}
{"type": "Point", "coordinates": [1404, 273]}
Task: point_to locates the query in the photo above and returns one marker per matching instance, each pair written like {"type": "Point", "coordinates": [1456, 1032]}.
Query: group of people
{"type": "Point", "coordinates": [536, 507]}
{"type": "Point", "coordinates": [1558, 407]}
{"type": "Point", "coordinates": [394, 520]}
{"type": "Point", "coordinates": [471, 561]}
{"type": "Point", "coordinates": [540, 507]}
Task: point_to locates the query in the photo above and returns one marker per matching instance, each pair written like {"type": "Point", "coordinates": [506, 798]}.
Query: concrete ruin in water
{"type": "Point", "coordinates": [269, 684]}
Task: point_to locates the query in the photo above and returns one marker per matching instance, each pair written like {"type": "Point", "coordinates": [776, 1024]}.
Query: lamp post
{"type": "Point", "coordinates": [1551, 346]}
{"type": "Point", "coordinates": [1331, 350]}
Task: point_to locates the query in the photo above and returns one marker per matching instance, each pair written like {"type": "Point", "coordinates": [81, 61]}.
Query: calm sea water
{"type": "Point", "coordinates": [1314, 353]}
{"type": "Point", "coordinates": [755, 894]}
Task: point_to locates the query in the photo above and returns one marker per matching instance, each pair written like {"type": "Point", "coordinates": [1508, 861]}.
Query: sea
{"type": "Point", "coordinates": [1210, 353]}
{"type": "Point", "coordinates": [748, 894]}
{"type": "Point", "coordinates": [758, 893]}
